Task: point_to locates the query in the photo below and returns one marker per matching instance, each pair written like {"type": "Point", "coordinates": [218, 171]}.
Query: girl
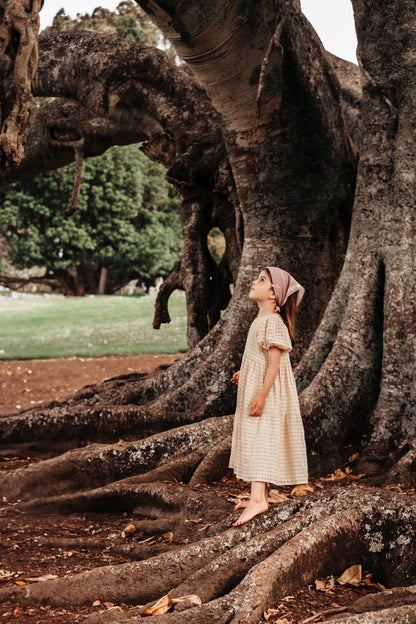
{"type": "Point", "coordinates": [268, 442]}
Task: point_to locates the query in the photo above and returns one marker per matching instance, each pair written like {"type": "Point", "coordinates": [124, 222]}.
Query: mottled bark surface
{"type": "Point", "coordinates": [19, 27]}
{"type": "Point", "coordinates": [360, 367]}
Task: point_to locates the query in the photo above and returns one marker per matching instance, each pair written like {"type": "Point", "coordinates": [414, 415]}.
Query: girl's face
{"type": "Point", "coordinates": [261, 289]}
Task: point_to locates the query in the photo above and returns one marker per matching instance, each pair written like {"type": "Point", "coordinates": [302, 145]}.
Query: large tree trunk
{"type": "Point", "coordinates": [359, 372]}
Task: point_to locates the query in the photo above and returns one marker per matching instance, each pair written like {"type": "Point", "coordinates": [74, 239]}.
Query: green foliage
{"type": "Point", "coordinates": [128, 218]}
{"type": "Point", "coordinates": [216, 244]}
{"type": "Point", "coordinates": [128, 21]}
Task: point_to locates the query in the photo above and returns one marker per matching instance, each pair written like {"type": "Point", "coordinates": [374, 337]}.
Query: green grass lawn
{"type": "Point", "coordinates": [42, 327]}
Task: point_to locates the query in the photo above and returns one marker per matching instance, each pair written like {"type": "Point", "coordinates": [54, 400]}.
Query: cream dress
{"type": "Point", "coordinates": [271, 447]}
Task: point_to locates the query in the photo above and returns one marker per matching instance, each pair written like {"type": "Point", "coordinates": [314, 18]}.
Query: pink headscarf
{"type": "Point", "coordinates": [284, 285]}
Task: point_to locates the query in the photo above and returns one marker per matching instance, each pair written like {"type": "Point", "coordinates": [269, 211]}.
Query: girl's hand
{"type": "Point", "coordinates": [257, 406]}
{"type": "Point", "coordinates": [235, 378]}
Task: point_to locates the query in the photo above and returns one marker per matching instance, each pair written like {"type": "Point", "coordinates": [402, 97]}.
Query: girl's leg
{"type": "Point", "coordinates": [256, 505]}
{"type": "Point", "coordinates": [242, 504]}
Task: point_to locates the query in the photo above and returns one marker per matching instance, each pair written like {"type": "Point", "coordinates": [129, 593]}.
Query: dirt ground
{"type": "Point", "coordinates": [33, 546]}
{"type": "Point", "coordinates": [27, 383]}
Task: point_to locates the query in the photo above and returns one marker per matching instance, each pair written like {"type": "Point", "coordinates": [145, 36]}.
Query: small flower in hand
{"type": "Point", "coordinates": [235, 378]}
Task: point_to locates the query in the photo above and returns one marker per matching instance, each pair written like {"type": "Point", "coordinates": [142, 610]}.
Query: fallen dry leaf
{"type": "Point", "coordinates": [160, 607]}
{"type": "Point", "coordinates": [348, 470]}
{"type": "Point", "coordinates": [394, 487]}
{"type": "Point", "coordinates": [351, 576]}
{"type": "Point", "coordinates": [353, 457]}
{"type": "Point", "coordinates": [166, 538]}
{"type": "Point", "coordinates": [193, 599]}
{"type": "Point", "coordinates": [236, 498]}
{"type": "Point", "coordinates": [128, 530]}
{"type": "Point", "coordinates": [276, 497]}
{"type": "Point", "coordinates": [96, 603]}
{"type": "Point", "coordinates": [268, 614]}
{"type": "Point", "coordinates": [20, 583]}
{"type": "Point", "coordinates": [321, 585]}
{"type": "Point", "coordinates": [302, 489]}
{"type": "Point", "coordinates": [166, 602]}
{"type": "Point", "coordinates": [338, 475]}
{"type": "Point", "coordinates": [45, 577]}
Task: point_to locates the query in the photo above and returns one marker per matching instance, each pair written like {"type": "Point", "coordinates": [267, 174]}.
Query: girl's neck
{"type": "Point", "coordinates": [266, 307]}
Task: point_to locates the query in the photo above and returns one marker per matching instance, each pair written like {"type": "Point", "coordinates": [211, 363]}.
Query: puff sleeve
{"type": "Point", "coordinates": [275, 334]}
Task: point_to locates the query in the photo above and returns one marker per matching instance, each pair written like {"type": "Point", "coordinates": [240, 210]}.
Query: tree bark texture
{"type": "Point", "coordinates": [19, 29]}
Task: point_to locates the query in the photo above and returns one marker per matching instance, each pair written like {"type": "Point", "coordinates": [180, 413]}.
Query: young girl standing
{"type": "Point", "coordinates": [268, 444]}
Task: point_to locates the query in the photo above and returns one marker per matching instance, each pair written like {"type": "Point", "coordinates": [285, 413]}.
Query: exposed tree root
{"type": "Point", "coordinates": [405, 614]}
{"type": "Point", "coordinates": [214, 465]}
{"type": "Point", "coordinates": [240, 572]}
{"type": "Point", "coordinates": [83, 424]}
{"type": "Point", "coordinates": [404, 471]}
{"type": "Point", "coordinates": [19, 27]}
{"type": "Point", "coordinates": [387, 600]}
{"type": "Point", "coordinates": [95, 465]}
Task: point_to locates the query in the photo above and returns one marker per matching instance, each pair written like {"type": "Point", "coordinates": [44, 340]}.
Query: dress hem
{"type": "Point", "coordinates": [295, 481]}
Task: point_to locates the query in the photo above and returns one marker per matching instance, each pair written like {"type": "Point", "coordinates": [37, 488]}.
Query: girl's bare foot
{"type": "Point", "coordinates": [241, 505]}
{"type": "Point", "coordinates": [252, 509]}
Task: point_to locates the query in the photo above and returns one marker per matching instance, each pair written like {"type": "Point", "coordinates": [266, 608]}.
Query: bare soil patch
{"type": "Point", "coordinates": [27, 383]}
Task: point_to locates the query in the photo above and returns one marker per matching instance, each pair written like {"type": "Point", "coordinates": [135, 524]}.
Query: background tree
{"type": "Point", "coordinates": [127, 222]}
{"type": "Point", "coordinates": [128, 21]}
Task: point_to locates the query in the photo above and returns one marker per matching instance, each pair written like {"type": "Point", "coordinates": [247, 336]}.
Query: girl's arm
{"type": "Point", "coordinates": [273, 366]}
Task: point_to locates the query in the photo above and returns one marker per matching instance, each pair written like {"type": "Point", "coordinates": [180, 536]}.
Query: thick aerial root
{"type": "Point", "coordinates": [214, 465]}
{"type": "Point", "coordinates": [67, 425]}
{"type": "Point", "coordinates": [325, 335]}
{"type": "Point", "coordinates": [324, 545]}
{"type": "Point", "coordinates": [404, 471]}
{"type": "Point", "coordinates": [126, 495]}
{"type": "Point", "coordinates": [240, 572]}
{"type": "Point", "coordinates": [121, 495]}
{"type": "Point", "coordinates": [332, 542]}
{"type": "Point", "coordinates": [95, 465]}
{"type": "Point", "coordinates": [397, 605]}
{"type": "Point", "coordinates": [234, 564]}
{"type": "Point", "coordinates": [397, 615]}
{"type": "Point", "coordinates": [17, 109]}
{"type": "Point", "coordinates": [150, 579]}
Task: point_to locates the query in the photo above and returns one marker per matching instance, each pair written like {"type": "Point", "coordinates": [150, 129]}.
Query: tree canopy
{"type": "Point", "coordinates": [128, 21]}
{"type": "Point", "coordinates": [127, 221]}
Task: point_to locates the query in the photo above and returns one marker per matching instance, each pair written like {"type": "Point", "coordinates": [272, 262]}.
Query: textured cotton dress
{"type": "Point", "coordinates": [271, 447]}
